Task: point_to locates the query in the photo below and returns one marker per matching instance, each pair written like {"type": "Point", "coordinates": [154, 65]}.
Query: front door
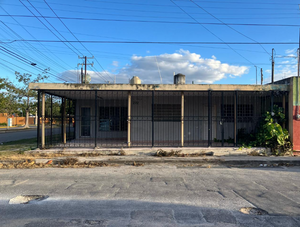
{"type": "Point", "coordinates": [85, 121]}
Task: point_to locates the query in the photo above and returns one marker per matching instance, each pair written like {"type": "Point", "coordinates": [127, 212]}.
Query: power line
{"type": "Point", "coordinates": [213, 33]}
{"type": "Point", "coordinates": [163, 12]}
{"type": "Point", "coordinates": [28, 57]}
{"type": "Point", "coordinates": [229, 26]}
{"type": "Point", "coordinates": [159, 22]}
{"type": "Point", "coordinates": [48, 51]}
{"type": "Point", "coordinates": [150, 42]}
{"type": "Point", "coordinates": [213, 7]}
{"type": "Point", "coordinates": [47, 26]}
{"type": "Point", "coordinates": [23, 60]}
{"type": "Point", "coordinates": [74, 35]}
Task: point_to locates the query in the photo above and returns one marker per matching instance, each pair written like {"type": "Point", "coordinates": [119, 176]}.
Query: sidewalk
{"type": "Point", "coordinates": [205, 161]}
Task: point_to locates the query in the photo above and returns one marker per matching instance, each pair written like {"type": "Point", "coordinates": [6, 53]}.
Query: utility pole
{"type": "Point", "coordinates": [273, 66]}
{"type": "Point", "coordinates": [261, 76]}
{"type": "Point", "coordinates": [85, 64]}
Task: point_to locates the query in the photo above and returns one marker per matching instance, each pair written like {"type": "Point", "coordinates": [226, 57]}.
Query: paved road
{"type": "Point", "coordinates": [16, 134]}
{"type": "Point", "coordinates": [153, 195]}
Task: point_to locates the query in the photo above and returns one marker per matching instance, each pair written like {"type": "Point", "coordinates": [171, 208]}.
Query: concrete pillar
{"type": "Point", "coordinates": [129, 120]}
{"type": "Point", "coordinates": [64, 122]}
{"type": "Point", "coordinates": [182, 118]}
{"type": "Point", "coordinates": [43, 120]}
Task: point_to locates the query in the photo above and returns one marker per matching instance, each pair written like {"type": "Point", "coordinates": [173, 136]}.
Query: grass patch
{"type": "Point", "coordinates": [17, 147]}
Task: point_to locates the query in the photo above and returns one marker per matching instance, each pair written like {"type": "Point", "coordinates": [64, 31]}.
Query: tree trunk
{"type": "Point", "coordinates": [27, 119]}
{"type": "Point", "coordinates": [27, 114]}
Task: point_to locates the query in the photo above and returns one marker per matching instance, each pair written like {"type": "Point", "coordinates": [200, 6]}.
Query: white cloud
{"type": "Point", "coordinates": [115, 63]}
{"type": "Point", "coordinates": [290, 51]}
{"type": "Point", "coordinates": [287, 69]}
{"type": "Point", "coordinates": [196, 68]}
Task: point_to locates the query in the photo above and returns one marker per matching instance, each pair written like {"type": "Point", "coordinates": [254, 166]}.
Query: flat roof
{"type": "Point", "coordinates": [155, 87]}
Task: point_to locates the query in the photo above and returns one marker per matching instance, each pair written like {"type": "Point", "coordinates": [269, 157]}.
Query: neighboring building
{"type": "Point", "coordinates": [156, 115]}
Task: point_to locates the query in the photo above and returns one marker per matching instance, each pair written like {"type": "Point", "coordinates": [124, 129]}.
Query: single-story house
{"type": "Point", "coordinates": [158, 115]}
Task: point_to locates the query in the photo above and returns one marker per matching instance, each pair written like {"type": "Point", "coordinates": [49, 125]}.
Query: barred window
{"type": "Point", "coordinates": [113, 118]}
{"type": "Point", "coordinates": [167, 112]}
{"type": "Point", "coordinates": [244, 112]}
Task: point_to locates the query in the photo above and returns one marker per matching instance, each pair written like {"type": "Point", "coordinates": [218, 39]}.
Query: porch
{"type": "Point", "coordinates": [177, 117]}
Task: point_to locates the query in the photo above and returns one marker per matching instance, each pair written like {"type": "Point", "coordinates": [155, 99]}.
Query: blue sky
{"type": "Point", "coordinates": [43, 25]}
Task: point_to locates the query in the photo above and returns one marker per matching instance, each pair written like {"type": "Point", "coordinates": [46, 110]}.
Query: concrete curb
{"type": "Point", "coordinates": [217, 151]}
{"type": "Point", "coordinates": [219, 161]}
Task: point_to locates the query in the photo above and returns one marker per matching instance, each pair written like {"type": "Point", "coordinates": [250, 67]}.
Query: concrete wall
{"type": "Point", "coordinates": [100, 134]}
{"type": "Point", "coordinates": [167, 133]}
{"type": "Point", "coordinates": [18, 120]}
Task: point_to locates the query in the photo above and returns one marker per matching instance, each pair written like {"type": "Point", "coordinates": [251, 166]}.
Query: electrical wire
{"type": "Point", "coordinates": [47, 26]}
{"type": "Point", "coordinates": [230, 26]}
{"type": "Point", "coordinates": [159, 22]}
{"type": "Point", "coordinates": [74, 35]}
{"type": "Point", "coordinates": [47, 50]}
{"type": "Point", "coordinates": [152, 42]}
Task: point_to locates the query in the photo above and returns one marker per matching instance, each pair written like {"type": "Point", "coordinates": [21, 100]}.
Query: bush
{"type": "Point", "coordinates": [271, 134]}
{"type": "Point", "coordinates": [3, 124]}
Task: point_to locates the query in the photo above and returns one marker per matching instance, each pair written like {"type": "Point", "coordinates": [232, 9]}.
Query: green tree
{"type": "Point", "coordinates": [8, 104]}
{"type": "Point", "coordinates": [23, 92]}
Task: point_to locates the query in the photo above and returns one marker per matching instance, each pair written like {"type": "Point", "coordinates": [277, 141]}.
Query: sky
{"type": "Point", "coordinates": [209, 41]}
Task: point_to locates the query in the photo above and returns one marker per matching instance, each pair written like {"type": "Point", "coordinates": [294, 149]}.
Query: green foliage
{"type": "Point", "coordinates": [3, 124]}
{"type": "Point", "coordinates": [270, 134]}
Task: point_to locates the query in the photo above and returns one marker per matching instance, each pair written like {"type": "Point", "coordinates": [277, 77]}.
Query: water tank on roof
{"type": "Point", "coordinates": [135, 80]}
{"type": "Point", "coordinates": [179, 79]}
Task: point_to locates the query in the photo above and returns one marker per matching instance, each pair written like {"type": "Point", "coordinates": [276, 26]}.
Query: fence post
{"type": "Point", "coordinates": [152, 118]}
{"type": "Point", "coordinates": [43, 120]}
{"type": "Point", "coordinates": [96, 130]}
{"type": "Point", "coordinates": [182, 119]}
{"type": "Point", "coordinates": [129, 120]}
{"type": "Point", "coordinates": [38, 119]}
{"type": "Point", "coordinates": [235, 118]}
{"type": "Point", "coordinates": [209, 118]}
{"type": "Point", "coordinates": [51, 120]}
{"type": "Point", "coordinates": [64, 121]}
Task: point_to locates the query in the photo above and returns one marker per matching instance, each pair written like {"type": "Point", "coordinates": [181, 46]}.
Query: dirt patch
{"type": "Point", "coordinates": [253, 211]}
{"type": "Point", "coordinates": [174, 153]}
{"type": "Point", "coordinates": [64, 163]}
{"type": "Point", "coordinates": [26, 199]}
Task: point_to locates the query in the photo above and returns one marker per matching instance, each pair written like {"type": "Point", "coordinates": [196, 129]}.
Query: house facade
{"type": "Point", "coordinates": [157, 115]}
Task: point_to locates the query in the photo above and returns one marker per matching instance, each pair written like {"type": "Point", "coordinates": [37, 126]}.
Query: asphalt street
{"type": "Point", "coordinates": [152, 195]}
{"type": "Point", "coordinates": [20, 134]}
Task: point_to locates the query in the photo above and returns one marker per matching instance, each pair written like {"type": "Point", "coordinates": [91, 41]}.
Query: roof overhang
{"type": "Point", "coordinates": [157, 87]}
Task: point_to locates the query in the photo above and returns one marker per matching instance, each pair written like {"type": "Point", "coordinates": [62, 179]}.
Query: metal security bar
{"type": "Point", "coordinates": [152, 118]}
{"type": "Point", "coordinates": [196, 119]}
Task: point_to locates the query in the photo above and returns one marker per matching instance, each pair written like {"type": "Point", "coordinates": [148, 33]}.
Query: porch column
{"type": "Point", "coordinates": [209, 118]}
{"type": "Point", "coordinates": [182, 118]}
{"type": "Point", "coordinates": [129, 120]}
{"type": "Point", "coordinates": [96, 128]}
{"type": "Point", "coordinates": [235, 116]}
{"type": "Point", "coordinates": [43, 120]}
{"type": "Point", "coordinates": [38, 119]}
{"type": "Point", "coordinates": [51, 120]}
{"type": "Point", "coordinates": [64, 122]}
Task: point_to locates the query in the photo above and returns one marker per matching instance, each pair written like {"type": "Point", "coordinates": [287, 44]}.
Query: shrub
{"type": "Point", "coordinates": [271, 134]}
